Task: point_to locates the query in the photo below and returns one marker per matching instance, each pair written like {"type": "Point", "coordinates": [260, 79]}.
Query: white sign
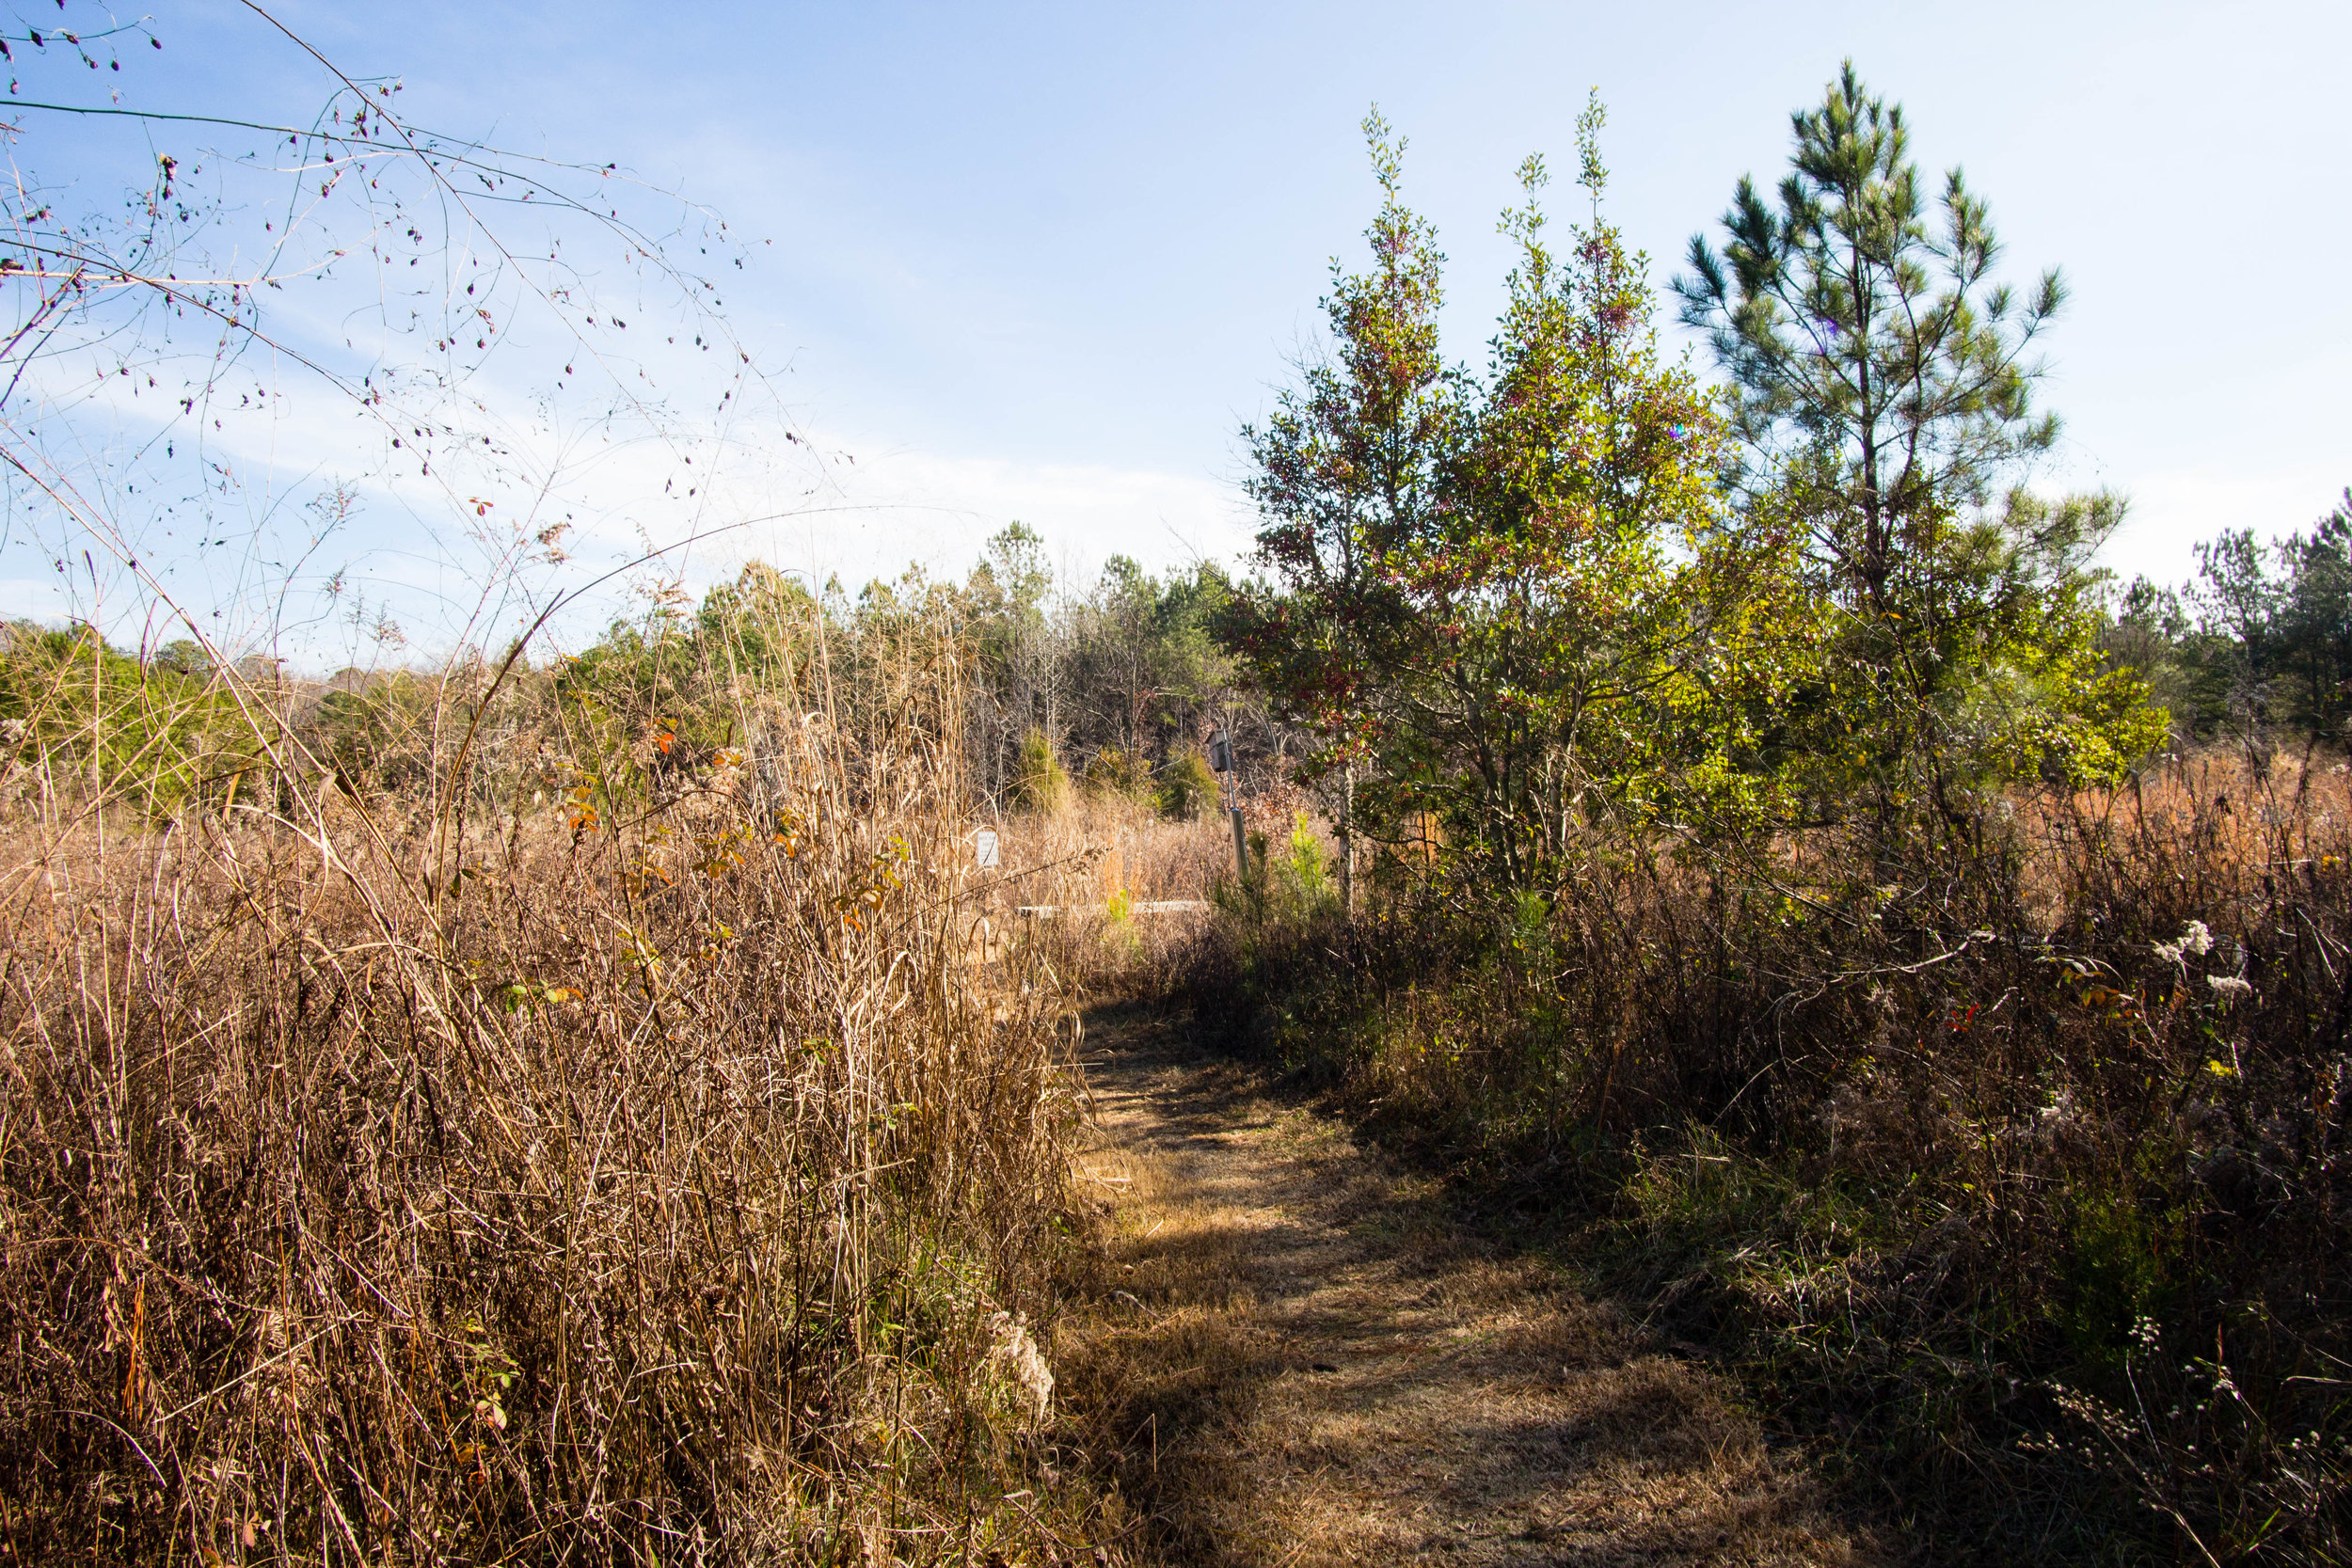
{"type": "Point", "coordinates": [984, 848]}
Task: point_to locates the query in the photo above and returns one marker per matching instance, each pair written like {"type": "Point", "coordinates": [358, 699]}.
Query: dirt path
{"type": "Point", "coordinates": [1305, 1357]}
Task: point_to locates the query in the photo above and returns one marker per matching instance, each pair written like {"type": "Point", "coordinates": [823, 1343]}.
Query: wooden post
{"type": "Point", "coordinates": [1228, 791]}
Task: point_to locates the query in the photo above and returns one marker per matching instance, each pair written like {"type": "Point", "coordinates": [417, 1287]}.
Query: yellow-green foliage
{"type": "Point", "coordinates": [1187, 788]}
{"type": "Point", "coordinates": [77, 715]}
{"type": "Point", "coordinates": [1040, 783]}
{"type": "Point", "coordinates": [1117, 774]}
{"type": "Point", "coordinates": [1306, 871]}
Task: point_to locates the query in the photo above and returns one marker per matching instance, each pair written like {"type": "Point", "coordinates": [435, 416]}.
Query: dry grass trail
{"type": "Point", "coordinates": [1304, 1354]}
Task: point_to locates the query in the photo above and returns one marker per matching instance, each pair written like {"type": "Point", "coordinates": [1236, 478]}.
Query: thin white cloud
{"type": "Point", "coordinates": [901, 507]}
{"type": "Point", "coordinates": [2174, 509]}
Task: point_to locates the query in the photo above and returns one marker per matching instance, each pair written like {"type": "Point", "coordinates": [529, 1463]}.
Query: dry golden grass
{"type": "Point", "coordinates": [1093, 864]}
{"type": "Point", "coordinates": [1300, 1354]}
{"type": "Point", "coordinates": [435, 1178]}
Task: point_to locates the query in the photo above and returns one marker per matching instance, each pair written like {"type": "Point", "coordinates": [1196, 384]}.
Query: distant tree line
{"type": "Point", "coordinates": [2258, 644]}
{"type": "Point", "coordinates": [1110, 691]}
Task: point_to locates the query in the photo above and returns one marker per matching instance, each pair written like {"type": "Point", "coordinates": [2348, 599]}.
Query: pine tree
{"type": "Point", "coordinates": [1882, 382]}
{"type": "Point", "coordinates": [1877, 365]}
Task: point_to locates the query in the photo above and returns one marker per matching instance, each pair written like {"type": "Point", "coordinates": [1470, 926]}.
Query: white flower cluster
{"type": "Point", "coordinates": [2196, 941]}
{"type": "Point", "coordinates": [1015, 1354]}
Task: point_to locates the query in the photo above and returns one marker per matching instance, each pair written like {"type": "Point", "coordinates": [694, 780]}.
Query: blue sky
{"type": "Point", "coordinates": [1040, 261]}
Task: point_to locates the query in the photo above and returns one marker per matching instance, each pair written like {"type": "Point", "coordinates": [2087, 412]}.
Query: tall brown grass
{"type": "Point", "coordinates": [1091, 888]}
{"type": "Point", "coordinates": [497, 1169]}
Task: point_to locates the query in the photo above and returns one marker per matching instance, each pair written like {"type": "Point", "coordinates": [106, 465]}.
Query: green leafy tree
{"type": "Point", "coordinates": [1513, 593]}
{"type": "Point", "coordinates": [2272, 643]}
{"type": "Point", "coordinates": [73, 708]}
{"type": "Point", "coordinates": [1142, 664]}
{"type": "Point", "coordinates": [1347, 470]}
{"type": "Point", "coordinates": [762, 624]}
{"type": "Point", "coordinates": [1566, 589]}
{"type": "Point", "coordinates": [2147, 631]}
{"type": "Point", "coordinates": [2312, 641]}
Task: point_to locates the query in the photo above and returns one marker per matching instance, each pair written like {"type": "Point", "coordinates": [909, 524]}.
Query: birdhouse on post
{"type": "Point", "coordinates": [1221, 753]}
